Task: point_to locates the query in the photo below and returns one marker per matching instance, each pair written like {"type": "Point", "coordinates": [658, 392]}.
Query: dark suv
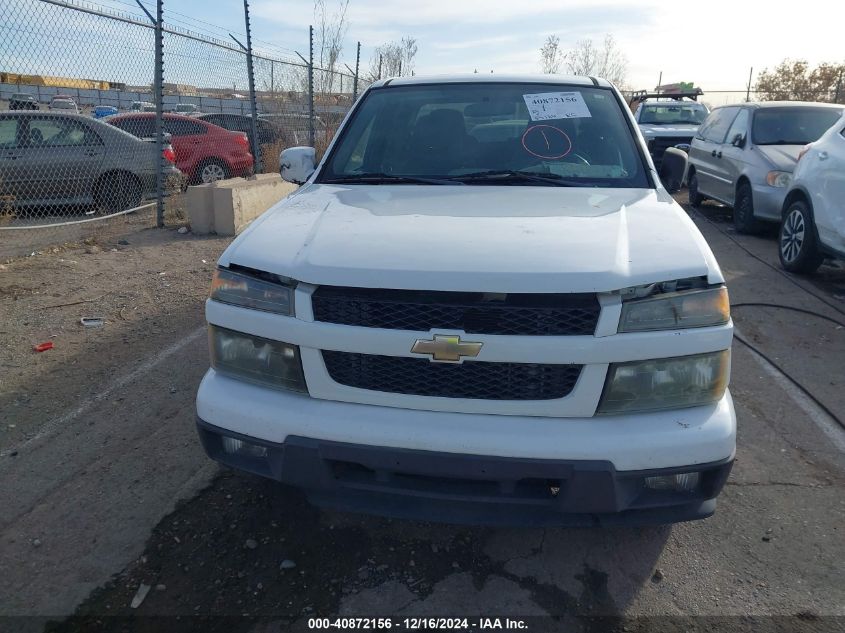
{"type": "Point", "coordinates": [23, 101]}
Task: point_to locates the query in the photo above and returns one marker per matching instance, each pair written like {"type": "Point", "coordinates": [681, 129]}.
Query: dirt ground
{"type": "Point", "coordinates": [146, 287]}
{"type": "Point", "coordinates": [105, 488]}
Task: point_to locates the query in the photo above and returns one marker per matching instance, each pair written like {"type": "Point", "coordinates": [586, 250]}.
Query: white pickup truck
{"type": "Point", "coordinates": [481, 306]}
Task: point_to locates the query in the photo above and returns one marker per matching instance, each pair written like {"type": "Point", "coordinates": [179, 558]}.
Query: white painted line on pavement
{"type": "Point", "coordinates": [56, 424]}
{"type": "Point", "coordinates": [822, 420]}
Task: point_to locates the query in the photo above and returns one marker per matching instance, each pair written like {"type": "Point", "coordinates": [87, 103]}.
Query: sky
{"type": "Point", "coordinates": [713, 43]}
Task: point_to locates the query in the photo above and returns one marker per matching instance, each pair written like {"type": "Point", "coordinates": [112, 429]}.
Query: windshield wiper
{"type": "Point", "coordinates": [515, 175]}
{"type": "Point", "coordinates": [375, 178]}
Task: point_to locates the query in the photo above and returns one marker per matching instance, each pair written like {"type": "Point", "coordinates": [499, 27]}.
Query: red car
{"type": "Point", "coordinates": [204, 152]}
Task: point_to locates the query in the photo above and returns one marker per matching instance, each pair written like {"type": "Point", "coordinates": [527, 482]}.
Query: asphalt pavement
{"type": "Point", "coordinates": [222, 551]}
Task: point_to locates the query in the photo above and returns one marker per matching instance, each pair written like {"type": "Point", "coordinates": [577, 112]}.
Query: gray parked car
{"type": "Point", "coordinates": [68, 159]}
{"type": "Point", "coordinates": [743, 155]}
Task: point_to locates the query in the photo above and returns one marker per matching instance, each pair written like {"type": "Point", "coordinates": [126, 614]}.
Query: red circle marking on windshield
{"type": "Point", "coordinates": [549, 136]}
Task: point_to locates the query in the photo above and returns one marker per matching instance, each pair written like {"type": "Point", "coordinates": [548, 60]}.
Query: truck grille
{"type": "Point", "coordinates": [473, 312]}
{"type": "Point", "coordinates": [658, 146]}
{"type": "Point", "coordinates": [477, 380]}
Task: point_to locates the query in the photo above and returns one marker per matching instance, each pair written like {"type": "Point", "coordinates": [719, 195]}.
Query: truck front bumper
{"type": "Point", "coordinates": [472, 468]}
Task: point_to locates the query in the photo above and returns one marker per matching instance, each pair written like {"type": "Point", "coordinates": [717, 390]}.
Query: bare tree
{"type": "Point", "coordinates": [551, 55]}
{"type": "Point", "coordinates": [795, 80]}
{"type": "Point", "coordinates": [330, 32]}
{"type": "Point", "coordinates": [409, 52]}
{"type": "Point", "coordinates": [607, 60]}
{"type": "Point", "coordinates": [393, 59]}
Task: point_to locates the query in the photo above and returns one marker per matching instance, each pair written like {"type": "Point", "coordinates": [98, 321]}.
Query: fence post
{"type": "Point", "coordinates": [355, 81]}
{"type": "Point", "coordinates": [256, 152]}
{"type": "Point", "coordinates": [311, 85]}
{"type": "Point", "coordinates": [159, 99]}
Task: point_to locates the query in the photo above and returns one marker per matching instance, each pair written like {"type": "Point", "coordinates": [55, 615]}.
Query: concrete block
{"type": "Point", "coordinates": [200, 208]}
{"type": "Point", "coordinates": [226, 207]}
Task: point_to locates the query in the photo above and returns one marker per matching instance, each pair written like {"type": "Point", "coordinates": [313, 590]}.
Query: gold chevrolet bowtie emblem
{"type": "Point", "coordinates": [446, 348]}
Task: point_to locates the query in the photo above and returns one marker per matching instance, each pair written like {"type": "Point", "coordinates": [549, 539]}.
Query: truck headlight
{"type": "Point", "coordinates": [778, 178]}
{"type": "Point", "coordinates": [676, 310]}
{"type": "Point", "coordinates": [666, 383]}
{"type": "Point", "coordinates": [249, 291]}
{"type": "Point", "coordinates": [255, 359]}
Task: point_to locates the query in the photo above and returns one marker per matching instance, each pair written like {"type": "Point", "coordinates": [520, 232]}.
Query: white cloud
{"type": "Point", "coordinates": [713, 43]}
{"type": "Point", "coordinates": [478, 43]}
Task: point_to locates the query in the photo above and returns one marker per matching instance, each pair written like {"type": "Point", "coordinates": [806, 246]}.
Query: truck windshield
{"type": "Point", "coordinates": [792, 126]}
{"type": "Point", "coordinates": [673, 114]}
{"type": "Point", "coordinates": [488, 133]}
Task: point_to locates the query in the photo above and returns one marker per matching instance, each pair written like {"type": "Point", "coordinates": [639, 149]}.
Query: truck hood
{"type": "Point", "coordinates": [475, 238]}
{"type": "Point", "coordinates": [782, 157]}
{"type": "Point", "coordinates": [668, 130]}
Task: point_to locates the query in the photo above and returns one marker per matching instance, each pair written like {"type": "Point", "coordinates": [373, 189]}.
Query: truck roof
{"type": "Point", "coordinates": [577, 80]}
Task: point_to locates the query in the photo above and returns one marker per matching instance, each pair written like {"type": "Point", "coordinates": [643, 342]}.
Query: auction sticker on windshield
{"type": "Point", "coordinates": [547, 106]}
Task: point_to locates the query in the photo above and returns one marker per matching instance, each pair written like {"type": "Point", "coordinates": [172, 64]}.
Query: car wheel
{"type": "Point", "coordinates": [118, 191]}
{"type": "Point", "coordinates": [797, 246]}
{"type": "Point", "coordinates": [744, 220]}
{"type": "Point", "coordinates": [212, 170]}
{"type": "Point", "coordinates": [695, 198]}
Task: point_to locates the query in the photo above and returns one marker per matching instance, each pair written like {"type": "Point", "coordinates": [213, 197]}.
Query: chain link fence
{"type": "Point", "coordinates": [94, 141]}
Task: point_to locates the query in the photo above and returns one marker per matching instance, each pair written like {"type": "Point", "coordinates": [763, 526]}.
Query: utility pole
{"type": "Point", "coordinates": [659, 82]}
{"type": "Point", "coordinates": [748, 88]}
{"type": "Point", "coordinates": [379, 66]}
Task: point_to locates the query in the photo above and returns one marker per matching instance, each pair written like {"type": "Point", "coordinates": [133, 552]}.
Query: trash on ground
{"type": "Point", "coordinates": [142, 592]}
{"type": "Point", "coordinates": [92, 321]}
{"type": "Point", "coordinates": [182, 230]}
{"type": "Point", "coordinates": [43, 347]}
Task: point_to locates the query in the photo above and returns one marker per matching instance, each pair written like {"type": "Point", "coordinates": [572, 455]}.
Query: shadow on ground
{"type": "Point", "coordinates": [249, 547]}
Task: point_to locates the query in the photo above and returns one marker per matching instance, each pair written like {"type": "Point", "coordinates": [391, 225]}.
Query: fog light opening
{"type": "Point", "coordinates": [682, 482]}
{"type": "Point", "coordinates": [232, 446]}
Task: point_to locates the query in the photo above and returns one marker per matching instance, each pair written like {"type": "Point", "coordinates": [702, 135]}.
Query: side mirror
{"type": "Point", "coordinates": [738, 140]}
{"type": "Point", "coordinates": [673, 169]}
{"type": "Point", "coordinates": [297, 164]}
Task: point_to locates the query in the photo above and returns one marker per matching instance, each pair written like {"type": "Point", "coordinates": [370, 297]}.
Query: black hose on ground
{"type": "Point", "coordinates": [783, 307]}
{"type": "Point", "coordinates": [778, 270]}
